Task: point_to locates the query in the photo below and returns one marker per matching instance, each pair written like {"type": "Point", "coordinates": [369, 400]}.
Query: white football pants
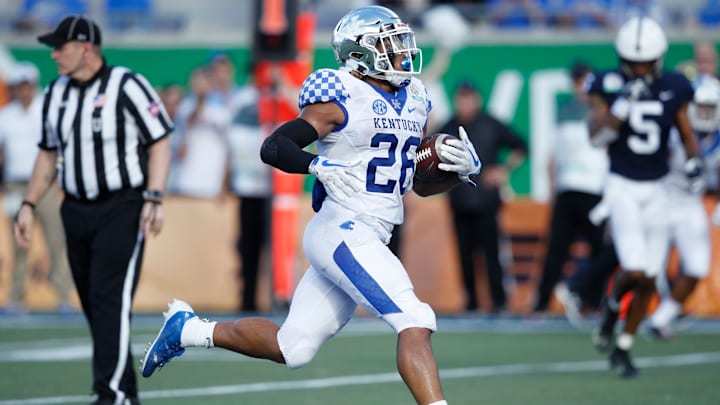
{"type": "Point", "coordinates": [350, 265]}
{"type": "Point", "coordinates": [639, 222]}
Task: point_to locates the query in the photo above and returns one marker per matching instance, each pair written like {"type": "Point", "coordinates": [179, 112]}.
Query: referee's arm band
{"type": "Point", "coordinates": [283, 149]}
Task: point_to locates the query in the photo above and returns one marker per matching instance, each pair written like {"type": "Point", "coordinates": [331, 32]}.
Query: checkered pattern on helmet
{"type": "Point", "coordinates": [322, 86]}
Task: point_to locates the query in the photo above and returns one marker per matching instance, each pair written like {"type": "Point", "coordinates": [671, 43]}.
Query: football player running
{"type": "Point", "coordinates": [689, 225]}
{"type": "Point", "coordinates": [633, 109]}
{"type": "Point", "coordinates": [368, 118]}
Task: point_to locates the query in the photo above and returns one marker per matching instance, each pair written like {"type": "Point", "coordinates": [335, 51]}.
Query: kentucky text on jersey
{"type": "Point", "coordinates": [398, 123]}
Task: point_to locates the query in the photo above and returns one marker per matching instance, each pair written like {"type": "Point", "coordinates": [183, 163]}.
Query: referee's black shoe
{"type": "Point", "coordinates": [604, 333]}
{"type": "Point", "coordinates": [620, 360]}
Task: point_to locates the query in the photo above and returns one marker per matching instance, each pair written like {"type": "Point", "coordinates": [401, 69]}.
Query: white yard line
{"type": "Point", "coordinates": [367, 379]}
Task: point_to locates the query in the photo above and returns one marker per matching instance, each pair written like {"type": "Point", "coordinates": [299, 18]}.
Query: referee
{"type": "Point", "coordinates": [105, 135]}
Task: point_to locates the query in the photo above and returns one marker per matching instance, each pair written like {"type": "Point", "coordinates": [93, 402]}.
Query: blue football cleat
{"type": "Point", "coordinates": [167, 342]}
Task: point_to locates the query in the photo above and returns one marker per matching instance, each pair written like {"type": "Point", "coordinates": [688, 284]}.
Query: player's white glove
{"type": "Point", "coordinates": [338, 177]}
{"type": "Point", "coordinates": [603, 137]}
{"type": "Point", "coordinates": [694, 168]}
{"type": "Point", "coordinates": [716, 215]}
{"type": "Point", "coordinates": [462, 156]}
{"type": "Point", "coordinates": [632, 91]}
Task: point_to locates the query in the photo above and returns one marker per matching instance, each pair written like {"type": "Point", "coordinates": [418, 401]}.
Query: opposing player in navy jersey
{"type": "Point", "coordinates": [632, 111]}
{"type": "Point", "coordinates": [689, 223]}
{"type": "Point", "coordinates": [368, 118]}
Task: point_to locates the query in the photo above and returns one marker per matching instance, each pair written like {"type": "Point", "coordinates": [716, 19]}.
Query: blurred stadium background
{"type": "Point", "coordinates": [519, 60]}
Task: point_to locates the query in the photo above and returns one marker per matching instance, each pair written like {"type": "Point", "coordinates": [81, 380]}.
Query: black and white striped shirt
{"type": "Point", "coordinates": [101, 130]}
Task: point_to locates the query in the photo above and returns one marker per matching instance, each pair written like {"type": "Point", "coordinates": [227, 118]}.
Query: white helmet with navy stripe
{"type": "Point", "coordinates": [641, 39]}
{"type": "Point", "coordinates": [366, 40]}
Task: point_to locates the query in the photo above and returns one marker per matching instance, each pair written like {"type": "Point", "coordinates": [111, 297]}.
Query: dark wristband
{"type": "Point", "coordinates": [28, 203]}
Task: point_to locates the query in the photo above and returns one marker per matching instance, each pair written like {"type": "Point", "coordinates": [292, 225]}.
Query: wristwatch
{"type": "Point", "coordinates": [154, 196]}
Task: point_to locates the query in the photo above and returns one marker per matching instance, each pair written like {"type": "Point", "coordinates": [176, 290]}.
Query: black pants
{"type": "Point", "coordinates": [480, 231]}
{"type": "Point", "coordinates": [105, 253]}
{"type": "Point", "coordinates": [591, 282]}
{"type": "Point", "coordinates": [254, 225]}
{"type": "Point", "coordinates": [569, 220]}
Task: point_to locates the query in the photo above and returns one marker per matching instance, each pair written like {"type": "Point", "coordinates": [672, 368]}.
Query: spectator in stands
{"type": "Point", "coordinates": [622, 10]}
{"type": "Point", "coordinates": [578, 171]}
{"type": "Point", "coordinates": [704, 62]}
{"type": "Point", "coordinates": [706, 58]}
{"type": "Point", "coordinates": [578, 14]}
{"type": "Point", "coordinates": [251, 182]}
{"type": "Point", "coordinates": [40, 15]}
{"type": "Point", "coordinates": [709, 14]}
{"type": "Point", "coordinates": [20, 131]}
{"type": "Point", "coordinates": [129, 14]}
{"type": "Point", "coordinates": [223, 71]}
{"type": "Point", "coordinates": [202, 122]}
{"type": "Point", "coordinates": [476, 210]}
{"type": "Point", "coordinates": [171, 95]}
{"type": "Point", "coordinates": [515, 13]}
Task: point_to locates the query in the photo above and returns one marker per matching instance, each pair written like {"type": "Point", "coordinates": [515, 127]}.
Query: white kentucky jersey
{"type": "Point", "coordinates": [710, 151]}
{"type": "Point", "coordinates": [382, 129]}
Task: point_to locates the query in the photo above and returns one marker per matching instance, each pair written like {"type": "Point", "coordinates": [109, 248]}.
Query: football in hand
{"type": "Point", "coordinates": [428, 157]}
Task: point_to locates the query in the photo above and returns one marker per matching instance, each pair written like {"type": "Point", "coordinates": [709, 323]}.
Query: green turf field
{"type": "Point", "coordinates": [515, 361]}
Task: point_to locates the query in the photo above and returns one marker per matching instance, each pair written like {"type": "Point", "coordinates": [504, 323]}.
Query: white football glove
{"type": "Point", "coordinates": [716, 215]}
{"type": "Point", "coordinates": [694, 169]}
{"type": "Point", "coordinates": [632, 91]}
{"type": "Point", "coordinates": [462, 157]}
{"type": "Point", "coordinates": [338, 177]}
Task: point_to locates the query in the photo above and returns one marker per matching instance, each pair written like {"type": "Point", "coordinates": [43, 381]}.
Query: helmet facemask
{"type": "Point", "coordinates": [649, 78]}
{"type": "Point", "coordinates": [367, 41]}
{"type": "Point", "coordinates": [393, 40]}
{"type": "Point", "coordinates": [641, 40]}
{"type": "Point", "coordinates": [705, 118]}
